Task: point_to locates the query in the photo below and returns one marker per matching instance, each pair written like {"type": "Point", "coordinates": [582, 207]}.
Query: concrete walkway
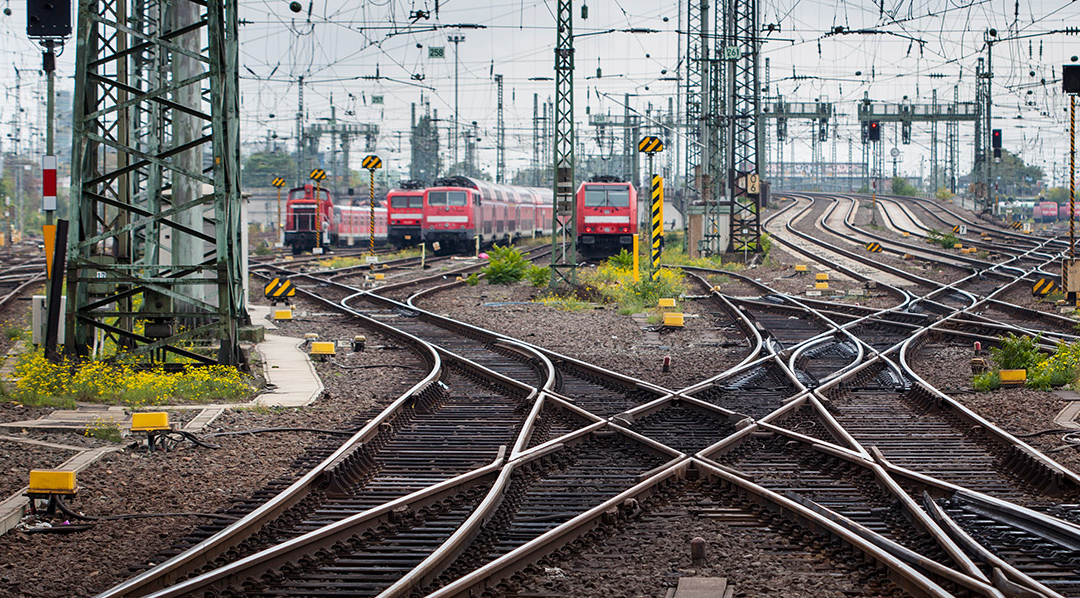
{"type": "Point", "coordinates": [290, 376]}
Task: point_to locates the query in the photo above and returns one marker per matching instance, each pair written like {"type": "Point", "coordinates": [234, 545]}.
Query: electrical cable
{"type": "Point", "coordinates": [64, 508]}
{"type": "Point", "coordinates": [269, 430]}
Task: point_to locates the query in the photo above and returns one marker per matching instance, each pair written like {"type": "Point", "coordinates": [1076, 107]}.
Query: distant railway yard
{"type": "Point", "coordinates": [824, 420]}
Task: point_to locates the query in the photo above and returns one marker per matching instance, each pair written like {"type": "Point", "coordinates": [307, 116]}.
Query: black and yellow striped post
{"type": "Point", "coordinates": [372, 163]}
{"type": "Point", "coordinates": [318, 175]}
{"type": "Point", "coordinates": [650, 146]}
{"type": "Point", "coordinates": [657, 223]}
{"type": "Point", "coordinates": [279, 182]}
{"type": "Point", "coordinates": [1071, 296]}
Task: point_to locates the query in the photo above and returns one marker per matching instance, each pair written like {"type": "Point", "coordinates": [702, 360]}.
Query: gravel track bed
{"type": "Point", "coordinates": [19, 458]}
{"type": "Point", "coordinates": [647, 556]}
{"type": "Point", "coordinates": [15, 314]}
{"type": "Point", "coordinates": [600, 336]}
{"type": "Point", "coordinates": [937, 272]}
{"type": "Point", "coordinates": [1018, 410]}
{"type": "Point", "coordinates": [197, 479]}
{"type": "Point", "coordinates": [1021, 295]}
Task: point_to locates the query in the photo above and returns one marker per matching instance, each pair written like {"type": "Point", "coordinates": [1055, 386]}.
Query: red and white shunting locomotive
{"type": "Point", "coordinates": [607, 216]}
{"type": "Point", "coordinates": [459, 210]}
{"type": "Point", "coordinates": [305, 217]}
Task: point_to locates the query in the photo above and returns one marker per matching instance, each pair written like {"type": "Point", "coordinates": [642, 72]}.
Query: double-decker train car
{"type": "Point", "coordinates": [459, 210]}
{"type": "Point", "coordinates": [1048, 211]}
{"type": "Point", "coordinates": [340, 225]}
{"type": "Point", "coordinates": [607, 216]}
{"type": "Point", "coordinates": [405, 209]}
{"type": "Point", "coordinates": [351, 225]}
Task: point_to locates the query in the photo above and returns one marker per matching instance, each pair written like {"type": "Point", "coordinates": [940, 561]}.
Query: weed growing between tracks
{"type": "Point", "coordinates": [41, 382]}
{"type": "Point", "coordinates": [945, 240]}
{"type": "Point", "coordinates": [1022, 353]}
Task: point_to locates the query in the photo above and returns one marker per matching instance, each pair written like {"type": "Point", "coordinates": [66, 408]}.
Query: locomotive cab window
{"type": "Point", "coordinates": [607, 197]}
{"type": "Point", "coordinates": [436, 198]}
{"type": "Point", "coordinates": [416, 201]}
{"type": "Point", "coordinates": [399, 201]}
{"type": "Point", "coordinates": [456, 198]}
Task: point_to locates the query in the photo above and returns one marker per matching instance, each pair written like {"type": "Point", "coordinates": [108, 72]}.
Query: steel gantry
{"type": "Point", "coordinates": [818, 112]}
{"type": "Point", "coordinates": [155, 260]}
{"type": "Point", "coordinates": [744, 131]}
{"type": "Point", "coordinates": [933, 113]}
{"type": "Point", "coordinates": [563, 239]}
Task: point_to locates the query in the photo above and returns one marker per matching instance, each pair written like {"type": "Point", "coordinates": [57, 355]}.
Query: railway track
{"type": "Point", "coordinates": [823, 437]}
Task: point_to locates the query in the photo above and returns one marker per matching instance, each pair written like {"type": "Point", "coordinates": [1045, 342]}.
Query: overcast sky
{"type": "Point", "coordinates": [908, 45]}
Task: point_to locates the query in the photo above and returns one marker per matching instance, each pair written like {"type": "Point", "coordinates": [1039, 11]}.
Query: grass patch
{"type": "Point", "coordinates": [43, 383]}
{"type": "Point", "coordinates": [564, 303]}
{"type": "Point", "coordinates": [986, 381]}
{"type": "Point", "coordinates": [336, 263]}
{"type": "Point", "coordinates": [106, 430]}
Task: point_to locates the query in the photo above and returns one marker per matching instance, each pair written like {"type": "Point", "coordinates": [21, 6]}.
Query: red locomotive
{"type": "Point", "coordinates": [607, 216]}
{"type": "Point", "coordinates": [345, 225]}
{"type": "Point", "coordinates": [405, 209]}
{"type": "Point", "coordinates": [459, 210]}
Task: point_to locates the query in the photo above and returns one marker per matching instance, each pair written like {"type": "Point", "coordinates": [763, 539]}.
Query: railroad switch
{"type": "Point", "coordinates": [801, 269]}
{"type": "Point", "coordinates": [311, 336]}
{"type": "Point", "coordinates": [358, 343]}
{"type": "Point", "coordinates": [666, 302]}
{"type": "Point", "coordinates": [155, 424]}
{"type": "Point", "coordinates": [821, 276]}
{"type": "Point", "coordinates": [50, 485]}
{"type": "Point", "coordinates": [821, 286]}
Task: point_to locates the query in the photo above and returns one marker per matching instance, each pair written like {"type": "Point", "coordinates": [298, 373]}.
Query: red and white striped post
{"type": "Point", "coordinates": [48, 183]}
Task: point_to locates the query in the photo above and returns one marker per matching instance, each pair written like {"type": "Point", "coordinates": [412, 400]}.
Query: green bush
{"type": "Point", "coordinates": [506, 265]}
{"type": "Point", "coordinates": [623, 260]}
{"type": "Point", "coordinates": [538, 276]}
{"type": "Point", "coordinates": [1016, 352]}
{"type": "Point", "coordinates": [986, 381]}
{"type": "Point", "coordinates": [472, 280]}
{"type": "Point", "coordinates": [946, 240]}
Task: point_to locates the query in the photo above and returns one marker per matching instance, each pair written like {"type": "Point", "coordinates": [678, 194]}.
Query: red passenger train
{"type": "Point", "coordinates": [458, 210]}
{"type": "Point", "coordinates": [405, 207]}
{"type": "Point", "coordinates": [607, 216]}
{"type": "Point", "coordinates": [340, 225]}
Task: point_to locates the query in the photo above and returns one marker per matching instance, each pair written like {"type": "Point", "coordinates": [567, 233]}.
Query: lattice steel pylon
{"type": "Point", "coordinates": [563, 239]}
{"type": "Point", "coordinates": [744, 133]}
{"type": "Point", "coordinates": [500, 136]}
{"type": "Point", "coordinates": [156, 181]}
{"type": "Point", "coordinates": [696, 15]}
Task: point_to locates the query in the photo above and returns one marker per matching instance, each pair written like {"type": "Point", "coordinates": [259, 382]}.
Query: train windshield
{"type": "Point", "coordinates": [407, 201]}
{"type": "Point", "coordinates": [606, 197]}
{"type": "Point", "coordinates": [446, 198]}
